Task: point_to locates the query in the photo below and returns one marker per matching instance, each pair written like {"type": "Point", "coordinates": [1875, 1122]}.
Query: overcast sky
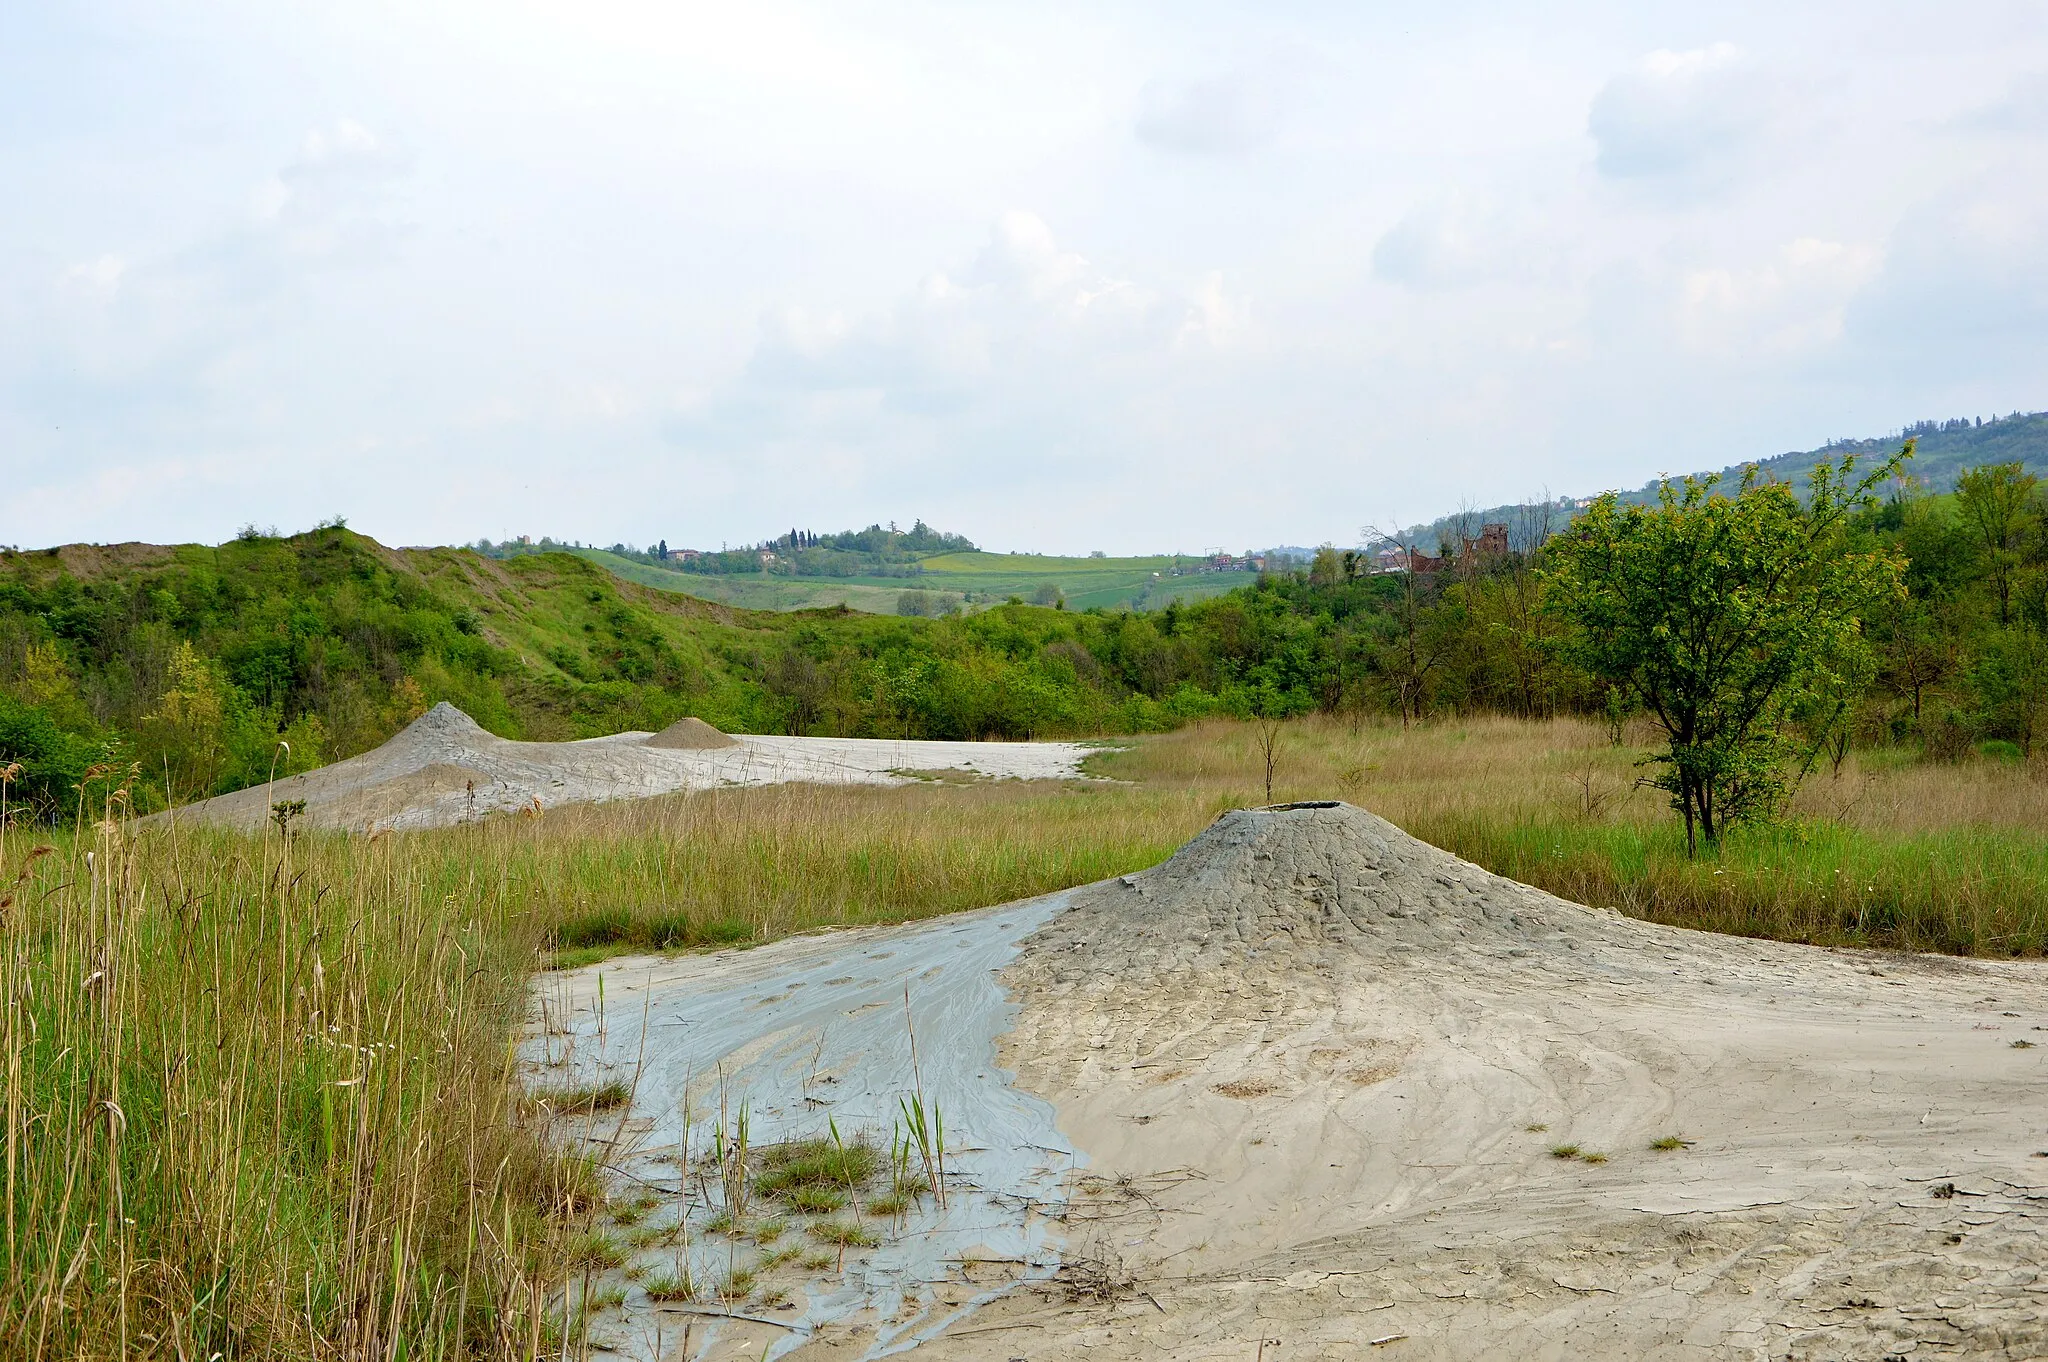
{"type": "Point", "coordinates": [1059, 277]}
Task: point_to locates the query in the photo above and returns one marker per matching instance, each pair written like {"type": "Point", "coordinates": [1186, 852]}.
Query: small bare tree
{"type": "Point", "coordinates": [1269, 716]}
{"type": "Point", "coordinates": [1417, 648]}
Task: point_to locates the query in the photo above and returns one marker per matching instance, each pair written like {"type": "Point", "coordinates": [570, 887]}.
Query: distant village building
{"type": "Point", "coordinates": [683, 555]}
{"type": "Point", "coordinates": [1491, 543]}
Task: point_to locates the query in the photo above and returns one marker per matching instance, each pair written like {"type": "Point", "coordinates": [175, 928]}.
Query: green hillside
{"type": "Point", "coordinates": [1944, 450]}
{"type": "Point", "coordinates": [1136, 583]}
{"type": "Point", "coordinates": [943, 583]}
{"type": "Point", "coordinates": [186, 669]}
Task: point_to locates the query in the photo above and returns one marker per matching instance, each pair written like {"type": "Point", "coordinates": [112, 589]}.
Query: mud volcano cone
{"type": "Point", "coordinates": [691, 735]}
{"type": "Point", "coordinates": [1319, 875]}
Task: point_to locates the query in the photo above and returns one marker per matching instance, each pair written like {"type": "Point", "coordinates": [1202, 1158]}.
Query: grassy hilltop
{"type": "Point", "coordinates": [945, 582]}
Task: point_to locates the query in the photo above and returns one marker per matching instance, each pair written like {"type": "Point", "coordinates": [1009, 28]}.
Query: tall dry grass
{"type": "Point", "coordinates": [1882, 853]}
{"type": "Point", "coordinates": [755, 864]}
{"type": "Point", "coordinates": [260, 1095]}
{"type": "Point", "coordinates": [258, 1104]}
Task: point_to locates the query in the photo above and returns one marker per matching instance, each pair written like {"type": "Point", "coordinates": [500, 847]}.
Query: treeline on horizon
{"type": "Point", "coordinates": [872, 552]}
{"type": "Point", "coordinates": [194, 671]}
{"type": "Point", "coordinates": [1945, 449]}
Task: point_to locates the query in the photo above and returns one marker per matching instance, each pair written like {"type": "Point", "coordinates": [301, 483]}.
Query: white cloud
{"type": "Point", "coordinates": [1459, 239]}
{"type": "Point", "coordinates": [1208, 116]}
{"type": "Point", "coordinates": [638, 270]}
{"type": "Point", "coordinates": [1790, 304]}
{"type": "Point", "coordinates": [1677, 112]}
{"type": "Point", "coordinates": [2022, 108]}
{"type": "Point", "coordinates": [98, 277]}
{"type": "Point", "coordinates": [1010, 336]}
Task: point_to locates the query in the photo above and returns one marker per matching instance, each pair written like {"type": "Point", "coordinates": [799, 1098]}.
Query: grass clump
{"type": "Point", "coordinates": [667, 1286]}
{"type": "Point", "coordinates": [814, 1200]}
{"type": "Point", "coordinates": [843, 1233]}
{"type": "Point", "coordinates": [738, 1284]}
{"type": "Point", "coordinates": [1564, 1151]}
{"type": "Point", "coordinates": [889, 1204]}
{"type": "Point", "coordinates": [568, 1099]}
{"type": "Point", "coordinates": [1670, 1143]}
{"type": "Point", "coordinates": [593, 1249]}
{"type": "Point", "coordinates": [814, 1163]}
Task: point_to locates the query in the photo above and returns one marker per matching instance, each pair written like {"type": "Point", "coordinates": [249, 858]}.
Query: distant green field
{"type": "Point", "coordinates": [970, 580]}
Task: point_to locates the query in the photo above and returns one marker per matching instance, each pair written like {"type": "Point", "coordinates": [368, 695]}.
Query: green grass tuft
{"type": "Point", "coordinates": [844, 1233]}
{"type": "Point", "coordinates": [666, 1286]}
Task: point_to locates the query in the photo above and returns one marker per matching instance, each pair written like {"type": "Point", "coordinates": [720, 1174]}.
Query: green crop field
{"type": "Point", "coordinates": [966, 580]}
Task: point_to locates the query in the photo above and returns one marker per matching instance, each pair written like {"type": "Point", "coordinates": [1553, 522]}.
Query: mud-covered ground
{"type": "Point", "coordinates": [1316, 1089]}
{"type": "Point", "coordinates": [445, 769]}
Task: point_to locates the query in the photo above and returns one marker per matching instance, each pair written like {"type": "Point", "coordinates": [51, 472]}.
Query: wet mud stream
{"type": "Point", "coordinates": [799, 1033]}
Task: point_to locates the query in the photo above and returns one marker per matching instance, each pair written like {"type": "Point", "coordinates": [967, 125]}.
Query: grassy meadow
{"type": "Point", "coordinates": [951, 578]}
{"type": "Point", "coordinates": [260, 1094]}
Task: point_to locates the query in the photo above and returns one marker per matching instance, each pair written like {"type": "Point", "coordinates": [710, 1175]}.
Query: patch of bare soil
{"type": "Point", "coordinates": [1343, 1095]}
{"type": "Point", "coordinates": [444, 768]}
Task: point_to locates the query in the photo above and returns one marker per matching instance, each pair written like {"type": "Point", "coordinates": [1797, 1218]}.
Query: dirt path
{"type": "Point", "coordinates": [1314, 1072]}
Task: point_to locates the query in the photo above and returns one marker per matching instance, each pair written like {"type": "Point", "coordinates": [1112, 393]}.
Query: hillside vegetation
{"type": "Point", "coordinates": [197, 665]}
{"type": "Point", "coordinates": [208, 669]}
{"type": "Point", "coordinates": [945, 583]}
{"type": "Point", "coordinates": [1945, 450]}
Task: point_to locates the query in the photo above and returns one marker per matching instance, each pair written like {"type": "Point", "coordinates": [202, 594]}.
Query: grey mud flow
{"type": "Point", "coordinates": [810, 1029]}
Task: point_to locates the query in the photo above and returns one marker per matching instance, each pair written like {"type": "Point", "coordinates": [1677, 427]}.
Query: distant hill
{"type": "Point", "coordinates": [1945, 450]}
{"type": "Point", "coordinates": [947, 583]}
{"type": "Point", "coordinates": [919, 571]}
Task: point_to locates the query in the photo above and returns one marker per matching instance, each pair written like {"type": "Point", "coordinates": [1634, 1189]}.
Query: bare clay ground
{"type": "Point", "coordinates": [444, 769]}
{"type": "Point", "coordinates": [1317, 1048]}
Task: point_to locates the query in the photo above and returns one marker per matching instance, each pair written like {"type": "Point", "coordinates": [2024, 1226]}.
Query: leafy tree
{"type": "Point", "coordinates": [188, 732]}
{"type": "Point", "coordinates": [2000, 504]}
{"type": "Point", "coordinates": [44, 763]}
{"type": "Point", "coordinates": [2011, 681]}
{"type": "Point", "coordinates": [1724, 617]}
